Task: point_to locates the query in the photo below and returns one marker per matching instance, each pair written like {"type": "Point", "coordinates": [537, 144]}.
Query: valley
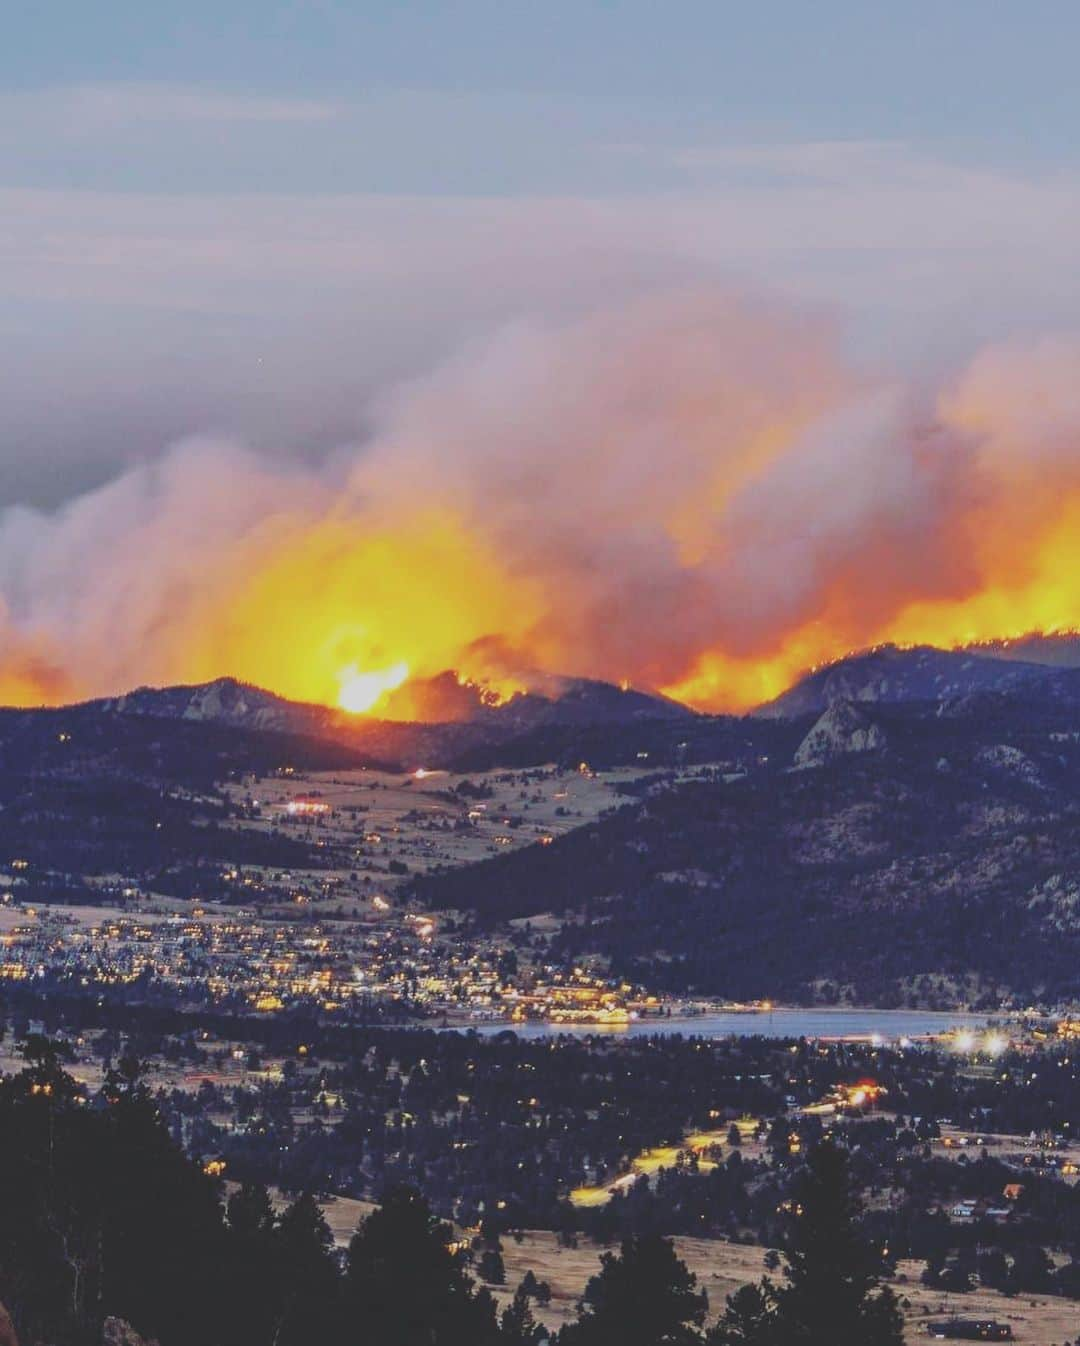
{"type": "Point", "coordinates": [337, 974]}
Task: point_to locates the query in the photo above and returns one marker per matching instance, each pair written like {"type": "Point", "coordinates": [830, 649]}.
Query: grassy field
{"type": "Point", "coordinates": [419, 820]}
{"type": "Point", "coordinates": [343, 1214]}
{"type": "Point", "coordinates": [722, 1267]}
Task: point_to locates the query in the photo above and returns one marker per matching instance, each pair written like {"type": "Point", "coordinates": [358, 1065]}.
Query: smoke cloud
{"type": "Point", "coordinates": [694, 492]}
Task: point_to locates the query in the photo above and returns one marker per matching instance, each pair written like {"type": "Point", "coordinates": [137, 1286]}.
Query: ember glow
{"type": "Point", "coordinates": [697, 495]}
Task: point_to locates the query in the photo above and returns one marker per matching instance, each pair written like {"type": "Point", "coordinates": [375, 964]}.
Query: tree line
{"type": "Point", "coordinates": [103, 1216]}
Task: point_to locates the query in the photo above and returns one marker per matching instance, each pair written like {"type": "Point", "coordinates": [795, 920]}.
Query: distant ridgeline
{"type": "Point", "coordinates": [899, 828]}
{"type": "Point", "coordinates": [908, 835]}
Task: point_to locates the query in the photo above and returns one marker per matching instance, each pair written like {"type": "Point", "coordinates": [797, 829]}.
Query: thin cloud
{"type": "Point", "coordinates": [91, 109]}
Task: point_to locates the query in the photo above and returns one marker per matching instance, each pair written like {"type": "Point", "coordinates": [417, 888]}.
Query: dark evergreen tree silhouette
{"type": "Point", "coordinates": [405, 1287]}
{"type": "Point", "coordinates": [748, 1318]}
{"type": "Point", "coordinates": [308, 1284]}
{"type": "Point", "coordinates": [642, 1296]}
{"type": "Point", "coordinates": [162, 1238]}
{"type": "Point", "coordinates": [517, 1325]}
{"type": "Point", "coordinates": [832, 1293]}
{"type": "Point", "coordinates": [491, 1267]}
{"type": "Point", "coordinates": [256, 1300]}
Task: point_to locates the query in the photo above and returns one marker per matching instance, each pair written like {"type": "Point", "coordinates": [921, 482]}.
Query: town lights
{"type": "Point", "coordinates": [968, 1043]}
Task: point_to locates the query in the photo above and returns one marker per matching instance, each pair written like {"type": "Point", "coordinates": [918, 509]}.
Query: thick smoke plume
{"type": "Point", "coordinates": [694, 493]}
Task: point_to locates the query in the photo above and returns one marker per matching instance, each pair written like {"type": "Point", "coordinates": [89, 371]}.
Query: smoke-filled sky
{"type": "Point", "coordinates": [687, 344]}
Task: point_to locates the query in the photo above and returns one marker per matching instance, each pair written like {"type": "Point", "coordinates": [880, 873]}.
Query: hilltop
{"type": "Point", "coordinates": [890, 674]}
{"type": "Point", "coordinates": [888, 854]}
{"type": "Point", "coordinates": [462, 718]}
{"type": "Point", "coordinates": [903, 827]}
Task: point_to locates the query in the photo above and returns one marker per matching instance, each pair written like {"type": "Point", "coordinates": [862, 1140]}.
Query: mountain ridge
{"type": "Point", "coordinates": [891, 674]}
{"type": "Point", "coordinates": [580, 703]}
{"type": "Point", "coordinates": [915, 859]}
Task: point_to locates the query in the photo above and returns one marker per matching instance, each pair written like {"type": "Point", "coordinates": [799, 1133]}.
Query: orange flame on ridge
{"type": "Point", "coordinates": [700, 501]}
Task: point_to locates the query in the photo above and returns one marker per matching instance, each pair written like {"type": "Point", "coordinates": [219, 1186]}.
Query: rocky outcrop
{"type": "Point", "coordinates": [114, 1332]}
{"type": "Point", "coordinates": [844, 728]}
{"type": "Point", "coordinates": [1005, 758]}
{"type": "Point", "coordinates": [117, 1332]}
{"type": "Point", "coordinates": [1056, 902]}
{"type": "Point", "coordinates": [224, 701]}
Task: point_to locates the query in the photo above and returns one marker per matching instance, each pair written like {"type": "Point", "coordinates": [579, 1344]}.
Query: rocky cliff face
{"type": "Point", "coordinates": [117, 1332]}
{"type": "Point", "coordinates": [844, 728]}
{"type": "Point", "coordinates": [223, 701]}
{"type": "Point", "coordinates": [7, 1329]}
{"type": "Point", "coordinates": [114, 1332]}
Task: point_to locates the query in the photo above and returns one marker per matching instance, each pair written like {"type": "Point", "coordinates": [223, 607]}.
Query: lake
{"type": "Point", "coordinates": [888, 1025]}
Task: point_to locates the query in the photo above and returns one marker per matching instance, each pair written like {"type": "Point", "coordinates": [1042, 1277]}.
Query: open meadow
{"type": "Point", "coordinates": [722, 1267]}
{"type": "Point", "coordinates": [386, 827]}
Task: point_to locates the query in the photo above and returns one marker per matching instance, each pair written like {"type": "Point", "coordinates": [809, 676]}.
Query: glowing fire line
{"type": "Point", "coordinates": [711, 506]}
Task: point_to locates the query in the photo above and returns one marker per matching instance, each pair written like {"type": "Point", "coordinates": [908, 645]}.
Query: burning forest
{"type": "Point", "coordinates": [698, 494]}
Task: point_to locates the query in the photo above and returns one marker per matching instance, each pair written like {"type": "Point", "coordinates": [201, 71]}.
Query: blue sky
{"type": "Point", "coordinates": [917, 65]}
{"type": "Point", "coordinates": [253, 217]}
{"type": "Point", "coordinates": [479, 97]}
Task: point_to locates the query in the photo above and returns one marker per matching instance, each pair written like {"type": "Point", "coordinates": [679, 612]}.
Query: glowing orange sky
{"type": "Point", "coordinates": [692, 494]}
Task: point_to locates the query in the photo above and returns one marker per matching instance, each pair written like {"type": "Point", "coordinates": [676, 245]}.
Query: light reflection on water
{"type": "Point", "coordinates": [888, 1025]}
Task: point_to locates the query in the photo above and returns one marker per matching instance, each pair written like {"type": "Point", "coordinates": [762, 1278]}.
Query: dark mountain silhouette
{"type": "Point", "coordinates": [903, 853]}
{"type": "Point", "coordinates": [924, 673]}
{"type": "Point", "coordinates": [473, 721]}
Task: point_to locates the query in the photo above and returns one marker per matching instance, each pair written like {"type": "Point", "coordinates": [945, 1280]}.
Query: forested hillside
{"type": "Point", "coordinates": [942, 863]}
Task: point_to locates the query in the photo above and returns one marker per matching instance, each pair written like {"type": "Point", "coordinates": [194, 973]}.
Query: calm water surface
{"type": "Point", "coordinates": [889, 1025]}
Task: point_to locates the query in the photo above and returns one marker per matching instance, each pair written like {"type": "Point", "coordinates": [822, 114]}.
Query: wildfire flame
{"type": "Point", "coordinates": [361, 692]}
{"type": "Point", "coordinates": [693, 495]}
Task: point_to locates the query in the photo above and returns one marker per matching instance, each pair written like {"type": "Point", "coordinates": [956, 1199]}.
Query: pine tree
{"type": "Point", "coordinates": [404, 1285]}
{"type": "Point", "coordinates": [255, 1304]}
{"type": "Point", "coordinates": [491, 1267]}
{"type": "Point", "coordinates": [251, 1212]}
{"type": "Point", "coordinates": [748, 1319]}
{"type": "Point", "coordinates": [643, 1296]}
{"type": "Point", "coordinates": [308, 1276]}
{"type": "Point", "coordinates": [172, 1284]}
{"type": "Point", "coordinates": [517, 1326]}
{"type": "Point", "coordinates": [832, 1293]}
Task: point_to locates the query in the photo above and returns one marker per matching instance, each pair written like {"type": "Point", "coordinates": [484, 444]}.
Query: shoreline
{"type": "Point", "coordinates": [780, 1021]}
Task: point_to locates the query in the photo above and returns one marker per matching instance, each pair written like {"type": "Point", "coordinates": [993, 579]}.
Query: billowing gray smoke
{"type": "Point", "coordinates": [690, 491]}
